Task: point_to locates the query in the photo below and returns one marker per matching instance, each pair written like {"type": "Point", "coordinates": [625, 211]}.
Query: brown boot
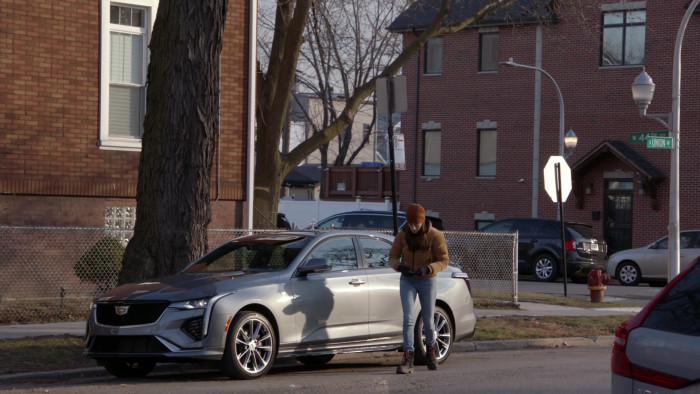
{"type": "Point", "coordinates": [432, 352]}
{"type": "Point", "coordinates": [407, 363]}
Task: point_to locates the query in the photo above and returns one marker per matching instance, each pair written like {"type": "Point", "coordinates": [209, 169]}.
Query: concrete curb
{"type": "Point", "coordinates": [464, 346]}
{"type": "Point", "coordinates": [540, 343]}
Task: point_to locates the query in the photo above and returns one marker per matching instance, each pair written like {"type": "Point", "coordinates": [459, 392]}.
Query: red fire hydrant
{"type": "Point", "coordinates": [596, 284]}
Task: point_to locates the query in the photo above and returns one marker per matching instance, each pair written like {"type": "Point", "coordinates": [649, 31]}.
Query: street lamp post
{"type": "Point", "coordinates": [642, 93]}
{"type": "Point", "coordinates": [570, 140]}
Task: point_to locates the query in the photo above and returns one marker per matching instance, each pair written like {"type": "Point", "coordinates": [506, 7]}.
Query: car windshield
{"type": "Point", "coordinates": [251, 254]}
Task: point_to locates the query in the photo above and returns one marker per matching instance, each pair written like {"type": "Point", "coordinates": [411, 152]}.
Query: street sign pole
{"type": "Point", "coordinates": [391, 96]}
{"type": "Point", "coordinates": [557, 174]}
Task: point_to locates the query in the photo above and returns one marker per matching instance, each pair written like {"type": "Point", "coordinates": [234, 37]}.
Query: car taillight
{"type": "Point", "coordinates": [570, 245]}
{"type": "Point", "coordinates": [463, 275]}
{"type": "Point", "coordinates": [621, 364]}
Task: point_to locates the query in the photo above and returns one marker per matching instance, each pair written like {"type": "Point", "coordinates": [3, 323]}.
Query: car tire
{"type": "Point", "coordinates": [545, 268]}
{"type": "Point", "coordinates": [251, 347]}
{"type": "Point", "coordinates": [129, 368]}
{"type": "Point", "coordinates": [445, 337]}
{"type": "Point", "coordinates": [628, 273]}
{"type": "Point", "coordinates": [316, 360]}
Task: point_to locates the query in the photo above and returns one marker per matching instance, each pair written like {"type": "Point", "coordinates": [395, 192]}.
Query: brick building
{"type": "Point", "coordinates": [479, 133]}
{"type": "Point", "coordinates": [72, 99]}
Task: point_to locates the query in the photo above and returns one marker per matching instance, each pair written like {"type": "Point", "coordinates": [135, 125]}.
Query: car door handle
{"type": "Point", "coordinates": [356, 282]}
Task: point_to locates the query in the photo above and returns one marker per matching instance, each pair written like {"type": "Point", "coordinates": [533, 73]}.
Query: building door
{"type": "Point", "coordinates": [618, 214]}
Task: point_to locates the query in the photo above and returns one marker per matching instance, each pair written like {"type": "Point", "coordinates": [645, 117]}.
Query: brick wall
{"type": "Point", "coordinates": [598, 106]}
{"type": "Point", "coordinates": [49, 113]}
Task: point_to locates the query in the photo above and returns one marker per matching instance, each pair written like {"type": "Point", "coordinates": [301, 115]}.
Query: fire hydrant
{"type": "Point", "coordinates": [596, 284]}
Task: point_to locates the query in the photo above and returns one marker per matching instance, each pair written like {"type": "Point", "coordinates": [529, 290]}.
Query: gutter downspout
{"type": "Point", "coordinates": [536, 126]}
{"type": "Point", "coordinates": [415, 135]}
{"type": "Point", "coordinates": [252, 66]}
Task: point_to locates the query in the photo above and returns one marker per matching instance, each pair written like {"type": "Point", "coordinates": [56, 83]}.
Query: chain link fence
{"type": "Point", "coordinates": [52, 274]}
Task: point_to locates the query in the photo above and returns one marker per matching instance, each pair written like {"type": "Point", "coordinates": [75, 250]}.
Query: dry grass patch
{"type": "Point", "coordinates": [43, 354]}
{"type": "Point", "coordinates": [531, 327]}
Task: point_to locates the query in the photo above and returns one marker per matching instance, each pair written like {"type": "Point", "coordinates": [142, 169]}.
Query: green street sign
{"type": "Point", "coordinates": [660, 142]}
{"type": "Point", "coordinates": [640, 138]}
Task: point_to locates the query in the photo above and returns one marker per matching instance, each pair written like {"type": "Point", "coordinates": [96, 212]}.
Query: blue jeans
{"type": "Point", "coordinates": [426, 289]}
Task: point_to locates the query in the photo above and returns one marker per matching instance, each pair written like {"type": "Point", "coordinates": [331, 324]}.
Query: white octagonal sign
{"type": "Point", "coordinates": [550, 178]}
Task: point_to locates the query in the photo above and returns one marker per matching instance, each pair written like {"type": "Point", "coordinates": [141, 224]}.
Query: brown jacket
{"type": "Point", "coordinates": [435, 257]}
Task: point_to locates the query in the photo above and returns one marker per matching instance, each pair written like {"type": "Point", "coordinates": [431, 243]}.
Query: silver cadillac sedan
{"type": "Point", "coordinates": [294, 294]}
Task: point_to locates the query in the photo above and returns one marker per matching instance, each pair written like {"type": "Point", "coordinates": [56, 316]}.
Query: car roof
{"type": "Point", "coordinates": [542, 220]}
{"type": "Point", "coordinates": [294, 234]}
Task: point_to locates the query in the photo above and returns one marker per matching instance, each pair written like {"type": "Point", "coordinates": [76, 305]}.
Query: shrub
{"type": "Point", "coordinates": [102, 263]}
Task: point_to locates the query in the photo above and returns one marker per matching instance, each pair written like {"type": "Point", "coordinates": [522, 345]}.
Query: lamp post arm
{"type": "Point", "coordinates": [660, 118]}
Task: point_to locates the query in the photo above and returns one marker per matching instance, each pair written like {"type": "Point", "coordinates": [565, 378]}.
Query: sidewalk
{"type": "Point", "coordinates": [526, 309]}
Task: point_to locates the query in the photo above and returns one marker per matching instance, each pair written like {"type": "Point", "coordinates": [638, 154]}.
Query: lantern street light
{"type": "Point", "coordinates": [642, 93]}
{"type": "Point", "coordinates": [570, 141]}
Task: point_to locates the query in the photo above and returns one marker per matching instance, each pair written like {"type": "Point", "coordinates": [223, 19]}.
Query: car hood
{"type": "Point", "coordinates": [182, 287]}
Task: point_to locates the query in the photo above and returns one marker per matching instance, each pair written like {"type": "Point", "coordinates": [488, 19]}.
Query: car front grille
{"type": "Point", "coordinates": [129, 314]}
{"type": "Point", "coordinates": [127, 344]}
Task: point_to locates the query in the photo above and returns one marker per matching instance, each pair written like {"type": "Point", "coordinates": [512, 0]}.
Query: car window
{"type": "Point", "coordinates": [384, 221]}
{"type": "Point", "coordinates": [549, 230]}
{"type": "Point", "coordinates": [248, 256]}
{"type": "Point", "coordinates": [335, 222]}
{"type": "Point", "coordinates": [584, 231]}
{"type": "Point", "coordinates": [686, 240]}
{"type": "Point", "coordinates": [340, 251]}
{"type": "Point", "coordinates": [355, 221]}
{"type": "Point", "coordinates": [376, 252]}
{"type": "Point", "coordinates": [663, 244]}
{"type": "Point", "coordinates": [679, 310]}
{"type": "Point", "coordinates": [504, 226]}
{"type": "Point", "coordinates": [696, 241]}
{"type": "Point", "coordinates": [527, 228]}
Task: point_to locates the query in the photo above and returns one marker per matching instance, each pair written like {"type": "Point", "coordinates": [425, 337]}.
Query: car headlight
{"type": "Point", "coordinates": [191, 304]}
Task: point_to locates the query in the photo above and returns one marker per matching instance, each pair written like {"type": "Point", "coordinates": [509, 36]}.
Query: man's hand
{"type": "Point", "coordinates": [402, 269]}
{"type": "Point", "coordinates": [423, 271]}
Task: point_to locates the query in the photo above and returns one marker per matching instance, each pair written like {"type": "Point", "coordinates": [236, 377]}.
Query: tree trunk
{"type": "Point", "coordinates": [269, 175]}
{"type": "Point", "coordinates": [173, 202]}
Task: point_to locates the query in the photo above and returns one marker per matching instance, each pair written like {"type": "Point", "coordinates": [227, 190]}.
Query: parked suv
{"type": "Point", "coordinates": [369, 219]}
{"type": "Point", "coordinates": [539, 248]}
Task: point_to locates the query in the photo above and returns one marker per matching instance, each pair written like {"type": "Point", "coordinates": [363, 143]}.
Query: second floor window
{"type": "Point", "coordinates": [623, 38]}
{"type": "Point", "coordinates": [487, 153]}
{"type": "Point", "coordinates": [431, 152]}
{"type": "Point", "coordinates": [488, 51]}
{"type": "Point", "coordinates": [433, 56]}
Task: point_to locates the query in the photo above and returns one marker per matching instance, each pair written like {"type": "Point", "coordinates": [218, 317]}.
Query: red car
{"type": "Point", "coordinates": [658, 350]}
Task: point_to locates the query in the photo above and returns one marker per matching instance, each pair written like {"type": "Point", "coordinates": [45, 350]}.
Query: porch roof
{"type": "Point", "coordinates": [623, 152]}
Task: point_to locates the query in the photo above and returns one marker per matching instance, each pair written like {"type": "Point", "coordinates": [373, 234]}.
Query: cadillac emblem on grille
{"type": "Point", "coordinates": [121, 310]}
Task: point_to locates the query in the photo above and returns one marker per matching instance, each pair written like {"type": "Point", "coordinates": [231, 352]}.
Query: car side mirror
{"type": "Point", "coordinates": [315, 266]}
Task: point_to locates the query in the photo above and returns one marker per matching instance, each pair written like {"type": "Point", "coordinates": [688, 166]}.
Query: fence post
{"type": "Point", "coordinates": [515, 269]}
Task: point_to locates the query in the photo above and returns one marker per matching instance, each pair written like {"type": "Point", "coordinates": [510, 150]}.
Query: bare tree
{"type": "Point", "coordinates": [276, 85]}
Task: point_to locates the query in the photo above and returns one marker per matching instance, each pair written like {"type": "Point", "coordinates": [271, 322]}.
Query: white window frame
{"type": "Point", "coordinates": [150, 7]}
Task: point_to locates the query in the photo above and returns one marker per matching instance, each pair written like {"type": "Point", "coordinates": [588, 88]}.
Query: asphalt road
{"type": "Point", "coordinates": [568, 370]}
